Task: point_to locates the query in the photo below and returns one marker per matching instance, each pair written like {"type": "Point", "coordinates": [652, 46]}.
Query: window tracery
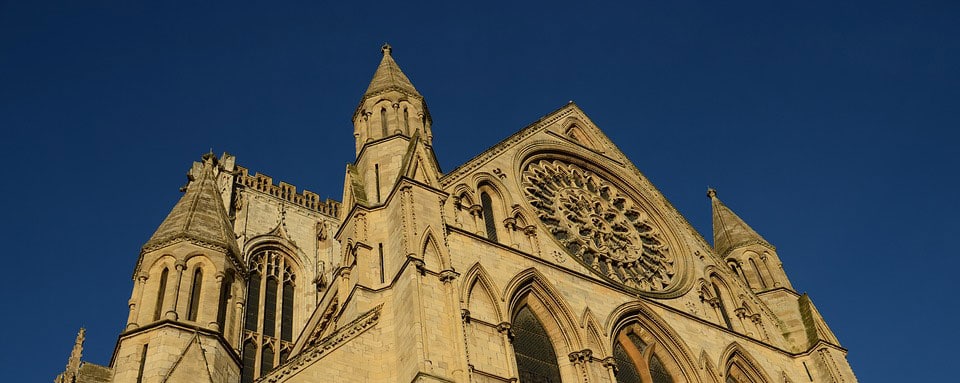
{"type": "Point", "coordinates": [637, 359]}
{"type": "Point", "coordinates": [270, 295]}
{"type": "Point", "coordinates": [600, 226]}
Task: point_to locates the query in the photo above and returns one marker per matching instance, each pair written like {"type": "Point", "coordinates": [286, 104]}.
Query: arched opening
{"type": "Point", "coordinates": [194, 304]}
{"type": "Point", "coordinates": [536, 358]}
{"type": "Point", "coordinates": [271, 294]}
{"type": "Point", "coordinates": [753, 264]}
{"type": "Point", "coordinates": [489, 221]}
{"type": "Point", "coordinates": [266, 361]}
{"type": "Point", "coordinates": [286, 314]}
{"type": "Point", "coordinates": [249, 362]}
{"type": "Point", "coordinates": [253, 302]}
{"type": "Point", "coordinates": [161, 291]}
{"type": "Point", "coordinates": [383, 122]}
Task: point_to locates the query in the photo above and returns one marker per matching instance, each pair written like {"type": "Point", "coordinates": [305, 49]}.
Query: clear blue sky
{"type": "Point", "coordinates": [830, 127]}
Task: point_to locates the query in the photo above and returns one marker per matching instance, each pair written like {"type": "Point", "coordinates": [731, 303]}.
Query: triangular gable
{"type": "Point", "coordinates": [544, 139]}
{"type": "Point", "coordinates": [419, 163]}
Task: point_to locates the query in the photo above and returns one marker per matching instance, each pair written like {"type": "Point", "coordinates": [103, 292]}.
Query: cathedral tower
{"type": "Point", "coordinates": [183, 313]}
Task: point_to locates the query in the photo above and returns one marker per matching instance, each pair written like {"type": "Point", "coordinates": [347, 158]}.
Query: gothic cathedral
{"type": "Point", "coordinates": [547, 258]}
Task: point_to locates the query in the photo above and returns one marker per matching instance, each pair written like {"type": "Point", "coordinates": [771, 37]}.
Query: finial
{"type": "Point", "coordinates": [386, 49]}
{"type": "Point", "coordinates": [711, 192]}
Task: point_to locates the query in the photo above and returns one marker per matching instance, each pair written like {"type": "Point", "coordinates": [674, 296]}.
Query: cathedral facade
{"type": "Point", "coordinates": [547, 258]}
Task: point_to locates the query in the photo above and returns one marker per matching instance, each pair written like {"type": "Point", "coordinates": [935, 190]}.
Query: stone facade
{"type": "Point", "coordinates": [548, 257]}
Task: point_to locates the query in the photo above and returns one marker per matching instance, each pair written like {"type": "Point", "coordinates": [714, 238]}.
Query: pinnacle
{"type": "Point", "coordinates": [729, 230]}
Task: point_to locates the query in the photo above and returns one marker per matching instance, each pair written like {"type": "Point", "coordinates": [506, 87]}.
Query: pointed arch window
{"type": "Point", "coordinates": [406, 119]}
{"type": "Point", "coordinates": [536, 359]}
{"type": "Point", "coordinates": [763, 283]}
{"type": "Point", "coordinates": [161, 291]}
{"type": "Point", "coordinates": [266, 362]}
{"type": "Point", "coordinates": [249, 362]}
{"type": "Point", "coordinates": [722, 307]}
{"type": "Point", "coordinates": [383, 122]}
{"type": "Point", "coordinates": [271, 289]}
{"type": "Point", "coordinates": [286, 314]}
{"type": "Point", "coordinates": [637, 360]}
{"type": "Point", "coordinates": [194, 306]}
{"type": "Point", "coordinates": [224, 304]}
{"type": "Point", "coordinates": [487, 210]}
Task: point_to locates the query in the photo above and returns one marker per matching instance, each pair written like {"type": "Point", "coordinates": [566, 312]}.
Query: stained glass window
{"type": "Point", "coordinates": [253, 302]}
{"type": "Point", "coordinates": [658, 371]}
{"type": "Point", "coordinates": [286, 316]}
{"type": "Point", "coordinates": [271, 274]}
{"type": "Point", "coordinates": [266, 362]}
{"type": "Point", "coordinates": [536, 359]}
{"type": "Point", "coordinates": [249, 362]}
{"type": "Point", "coordinates": [626, 371]}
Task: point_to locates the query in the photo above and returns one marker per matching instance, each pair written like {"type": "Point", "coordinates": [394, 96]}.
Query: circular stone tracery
{"type": "Point", "coordinates": [599, 226]}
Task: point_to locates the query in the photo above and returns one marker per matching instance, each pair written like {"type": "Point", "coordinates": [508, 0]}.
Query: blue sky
{"type": "Point", "coordinates": [830, 127]}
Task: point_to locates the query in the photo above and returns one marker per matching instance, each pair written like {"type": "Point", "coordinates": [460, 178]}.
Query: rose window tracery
{"type": "Point", "coordinates": [599, 225]}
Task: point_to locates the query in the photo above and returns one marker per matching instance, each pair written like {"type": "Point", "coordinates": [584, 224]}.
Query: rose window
{"type": "Point", "coordinates": [599, 225]}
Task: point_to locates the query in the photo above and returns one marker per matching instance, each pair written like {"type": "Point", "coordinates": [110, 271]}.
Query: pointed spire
{"type": "Point", "coordinates": [199, 216]}
{"type": "Point", "coordinates": [729, 230]}
{"type": "Point", "coordinates": [389, 76]}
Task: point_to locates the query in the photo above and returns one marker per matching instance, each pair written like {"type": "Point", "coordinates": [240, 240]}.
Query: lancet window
{"type": "Point", "coordinates": [536, 359]}
{"type": "Point", "coordinates": [194, 306]}
{"type": "Point", "coordinates": [270, 296]}
{"type": "Point", "coordinates": [161, 291]}
{"type": "Point", "coordinates": [488, 220]}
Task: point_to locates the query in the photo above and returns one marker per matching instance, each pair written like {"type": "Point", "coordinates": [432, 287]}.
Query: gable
{"type": "Point", "coordinates": [645, 247]}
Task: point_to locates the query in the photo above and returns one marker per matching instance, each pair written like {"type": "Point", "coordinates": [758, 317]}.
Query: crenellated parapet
{"type": "Point", "coordinates": [287, 192]}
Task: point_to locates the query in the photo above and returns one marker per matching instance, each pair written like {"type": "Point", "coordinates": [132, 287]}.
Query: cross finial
{"type": "Point", "coordinates": [386, 49]}
{"type": "Point", "coordinates": [711, 192]}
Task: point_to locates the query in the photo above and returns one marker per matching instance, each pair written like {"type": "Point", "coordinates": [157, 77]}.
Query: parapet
{"type": "Point", "coordinates": [287, 192]}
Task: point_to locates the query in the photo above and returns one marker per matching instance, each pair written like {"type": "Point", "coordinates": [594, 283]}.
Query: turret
{"type": "Point", "coordinates": [391, 106]}
{"type": "Point", "coordinates": [186, 300]}
{"type": "Point", "coordinates": [392, 128]}
{"type": "Point", "coordinates": [749, 255]}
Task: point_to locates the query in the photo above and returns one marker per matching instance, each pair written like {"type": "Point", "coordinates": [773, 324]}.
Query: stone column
{"type": "Point", "coordinates": [173, 294]}
{"type": "Point", "coordinates": [214, 324]}
{"type": "Point", "coordinates": [396, 118]}
{"type": "Point", "coordinates": [135, 301]}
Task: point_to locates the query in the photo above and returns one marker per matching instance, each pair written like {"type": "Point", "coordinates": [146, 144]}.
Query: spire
{"type": "Point", "coordinates": [389, 76]}
{"type": "Point", "coordinates": [199, 216]}
{"type": "Point", "coordinates": [729, 231]}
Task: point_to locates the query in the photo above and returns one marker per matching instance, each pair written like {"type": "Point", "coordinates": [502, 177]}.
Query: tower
{"type": "Point", "coordinates": [183, 312]}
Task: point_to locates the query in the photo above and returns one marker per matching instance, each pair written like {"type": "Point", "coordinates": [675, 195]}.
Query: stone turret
{"type": "Point", "coordinates": [751, 256]}
{"type": "Point", "coordinates": [186, 303]}
{"type": "Point", "coordinates": [392, 128]}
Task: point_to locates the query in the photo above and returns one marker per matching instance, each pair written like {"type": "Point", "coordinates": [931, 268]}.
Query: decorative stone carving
{"type": "Point", "coordinates": [600, 226]}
